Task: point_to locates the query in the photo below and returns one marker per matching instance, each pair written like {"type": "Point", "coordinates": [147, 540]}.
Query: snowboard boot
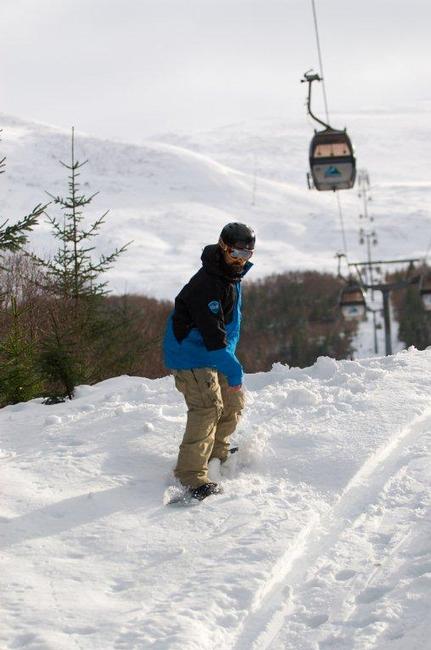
{"type": "Point", "coordinates": [203, 491]}
{"type": "Point", "coordinates": [232, 450]}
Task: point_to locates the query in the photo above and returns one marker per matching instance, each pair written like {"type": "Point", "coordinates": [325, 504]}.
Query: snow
{"type": "Point", "coordinates": [172, 194]}
{"type": "Point", "coordinates": [320, 540]}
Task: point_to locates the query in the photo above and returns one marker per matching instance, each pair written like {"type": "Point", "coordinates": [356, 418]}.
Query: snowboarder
{"type": "Point", "coordinates": [199, 347]}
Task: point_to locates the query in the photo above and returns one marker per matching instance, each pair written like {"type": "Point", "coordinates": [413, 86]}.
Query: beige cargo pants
{"type": "Point", "coordinates": [213, 411]}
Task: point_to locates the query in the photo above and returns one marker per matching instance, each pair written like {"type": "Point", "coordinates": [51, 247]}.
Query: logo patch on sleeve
{"type": "Point", "coordinates": [214, 306]}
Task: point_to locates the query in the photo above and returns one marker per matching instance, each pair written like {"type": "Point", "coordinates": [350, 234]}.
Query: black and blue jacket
{"type": "Point", "coordinates": [203, 330]}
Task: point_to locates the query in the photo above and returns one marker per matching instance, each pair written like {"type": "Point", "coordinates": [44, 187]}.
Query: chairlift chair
{"type": "Point", "coordinates": [352, 302]}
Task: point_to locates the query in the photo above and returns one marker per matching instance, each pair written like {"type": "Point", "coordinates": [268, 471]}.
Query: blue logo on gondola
{"type": "Point", "coordinates": [214, 306]}
{"type": "Point", "coordinates": [332, 171]}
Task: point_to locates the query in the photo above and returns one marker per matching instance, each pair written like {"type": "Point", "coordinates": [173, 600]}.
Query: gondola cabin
{"type": "Point", "coordinates": [425, 291]}
{"type": "Point", "coordinates": [332, 160]}
{"type": "Point", "coordinates": [352, 302]}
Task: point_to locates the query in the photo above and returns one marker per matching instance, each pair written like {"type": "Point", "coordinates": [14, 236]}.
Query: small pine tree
{"type": "Point", "coordinates": [74, 278]}
{"type": "Point", "coordinates": [58, 363]}
{"type": "Point", "coordinates": [72, 272]}
{"type": "Point", "coordinates": [12, 238]}
{"type": "Point", "coordinates": [414, 321]}
{"type": "Point", "coordinates": [19, 379]}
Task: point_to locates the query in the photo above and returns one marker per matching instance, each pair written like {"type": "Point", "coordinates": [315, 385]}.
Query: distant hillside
{"type": "Point", "coordinates": [172, 197]}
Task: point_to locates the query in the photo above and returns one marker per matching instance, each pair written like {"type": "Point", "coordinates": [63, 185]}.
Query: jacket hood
{"type": "Point", "coordinates": [214, 263]}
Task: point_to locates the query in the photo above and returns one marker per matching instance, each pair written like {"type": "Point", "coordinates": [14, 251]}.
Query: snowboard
{"type": "Point", "coordinates": [181, 497]}
{"type": "Point", "coordinates": [176, 495]}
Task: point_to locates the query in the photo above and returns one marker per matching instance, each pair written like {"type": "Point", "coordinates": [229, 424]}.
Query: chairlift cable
{"type": "Point", "coordinates": [325, 101]}
{"type": "Point", "coordinates": [343, 232]}
{"type": "Point", "coordinates": [319, 54]}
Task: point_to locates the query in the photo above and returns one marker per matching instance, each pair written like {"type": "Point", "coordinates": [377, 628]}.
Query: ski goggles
{"type": "Point", "coordinates": [237, 253]}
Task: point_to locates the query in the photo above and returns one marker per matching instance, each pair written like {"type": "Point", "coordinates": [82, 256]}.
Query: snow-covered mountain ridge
{"type": "Point", "coordinates": [321, 538]}
{"type": "Point", "coordinates": [173, 195]}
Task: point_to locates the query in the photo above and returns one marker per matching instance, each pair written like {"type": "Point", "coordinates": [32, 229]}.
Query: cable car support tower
{"type": "Point", "coordinates": [349, 301]}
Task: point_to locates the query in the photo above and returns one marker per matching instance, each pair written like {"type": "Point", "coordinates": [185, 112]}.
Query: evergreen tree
{"type": "Point", "coordinates": [72, 272]}
{"type": "Point", "coordinates": [58, 363]}
{"type": "Point", "coordinates": [414, 321]}
{"type": "Point", "coordinates": [13, 237]}
{"type": "Point", "coordinates": [19, 379]}
{"type": "Point", "coordinates": [73, 277]}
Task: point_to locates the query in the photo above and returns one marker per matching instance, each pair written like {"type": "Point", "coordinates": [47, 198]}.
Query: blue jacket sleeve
{"type": "Point", "coordinates": [226, 362]}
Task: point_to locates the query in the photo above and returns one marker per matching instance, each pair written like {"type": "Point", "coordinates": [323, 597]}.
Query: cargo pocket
{"type": "Point", "coordinates": [237, 400]}
{"type": "Point", "coordinates": [209, 387]}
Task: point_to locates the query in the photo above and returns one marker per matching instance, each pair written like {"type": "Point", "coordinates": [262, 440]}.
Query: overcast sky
{"type": "Point", "coordinates": [132, 68]}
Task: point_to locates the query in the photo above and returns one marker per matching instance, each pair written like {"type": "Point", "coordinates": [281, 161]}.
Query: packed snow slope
{"type": "Point", "coordinates": [172, 195]}
{"type": "Point", "coordinates": [320, 541]}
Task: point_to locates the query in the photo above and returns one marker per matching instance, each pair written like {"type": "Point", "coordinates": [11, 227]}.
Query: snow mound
{"type": "Point", "coordinates": [321, 538]}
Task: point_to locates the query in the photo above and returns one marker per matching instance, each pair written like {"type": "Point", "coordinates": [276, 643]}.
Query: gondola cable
{"type": "Point", "coordinates": [319, 54]}
{"type": "Point", "coordinates": [343, 232]}
{"type": "Point", "coordinates": [325, 101]}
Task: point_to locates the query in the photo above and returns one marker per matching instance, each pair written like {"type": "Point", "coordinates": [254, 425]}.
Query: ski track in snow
{"type": "Point", "coordinates": [320, 540]}
{"type": "Point", "coordinates": [312, 584]}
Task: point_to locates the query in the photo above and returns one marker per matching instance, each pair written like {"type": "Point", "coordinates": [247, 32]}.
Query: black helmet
{"type": "Point", "coordinates": [238, 235]}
